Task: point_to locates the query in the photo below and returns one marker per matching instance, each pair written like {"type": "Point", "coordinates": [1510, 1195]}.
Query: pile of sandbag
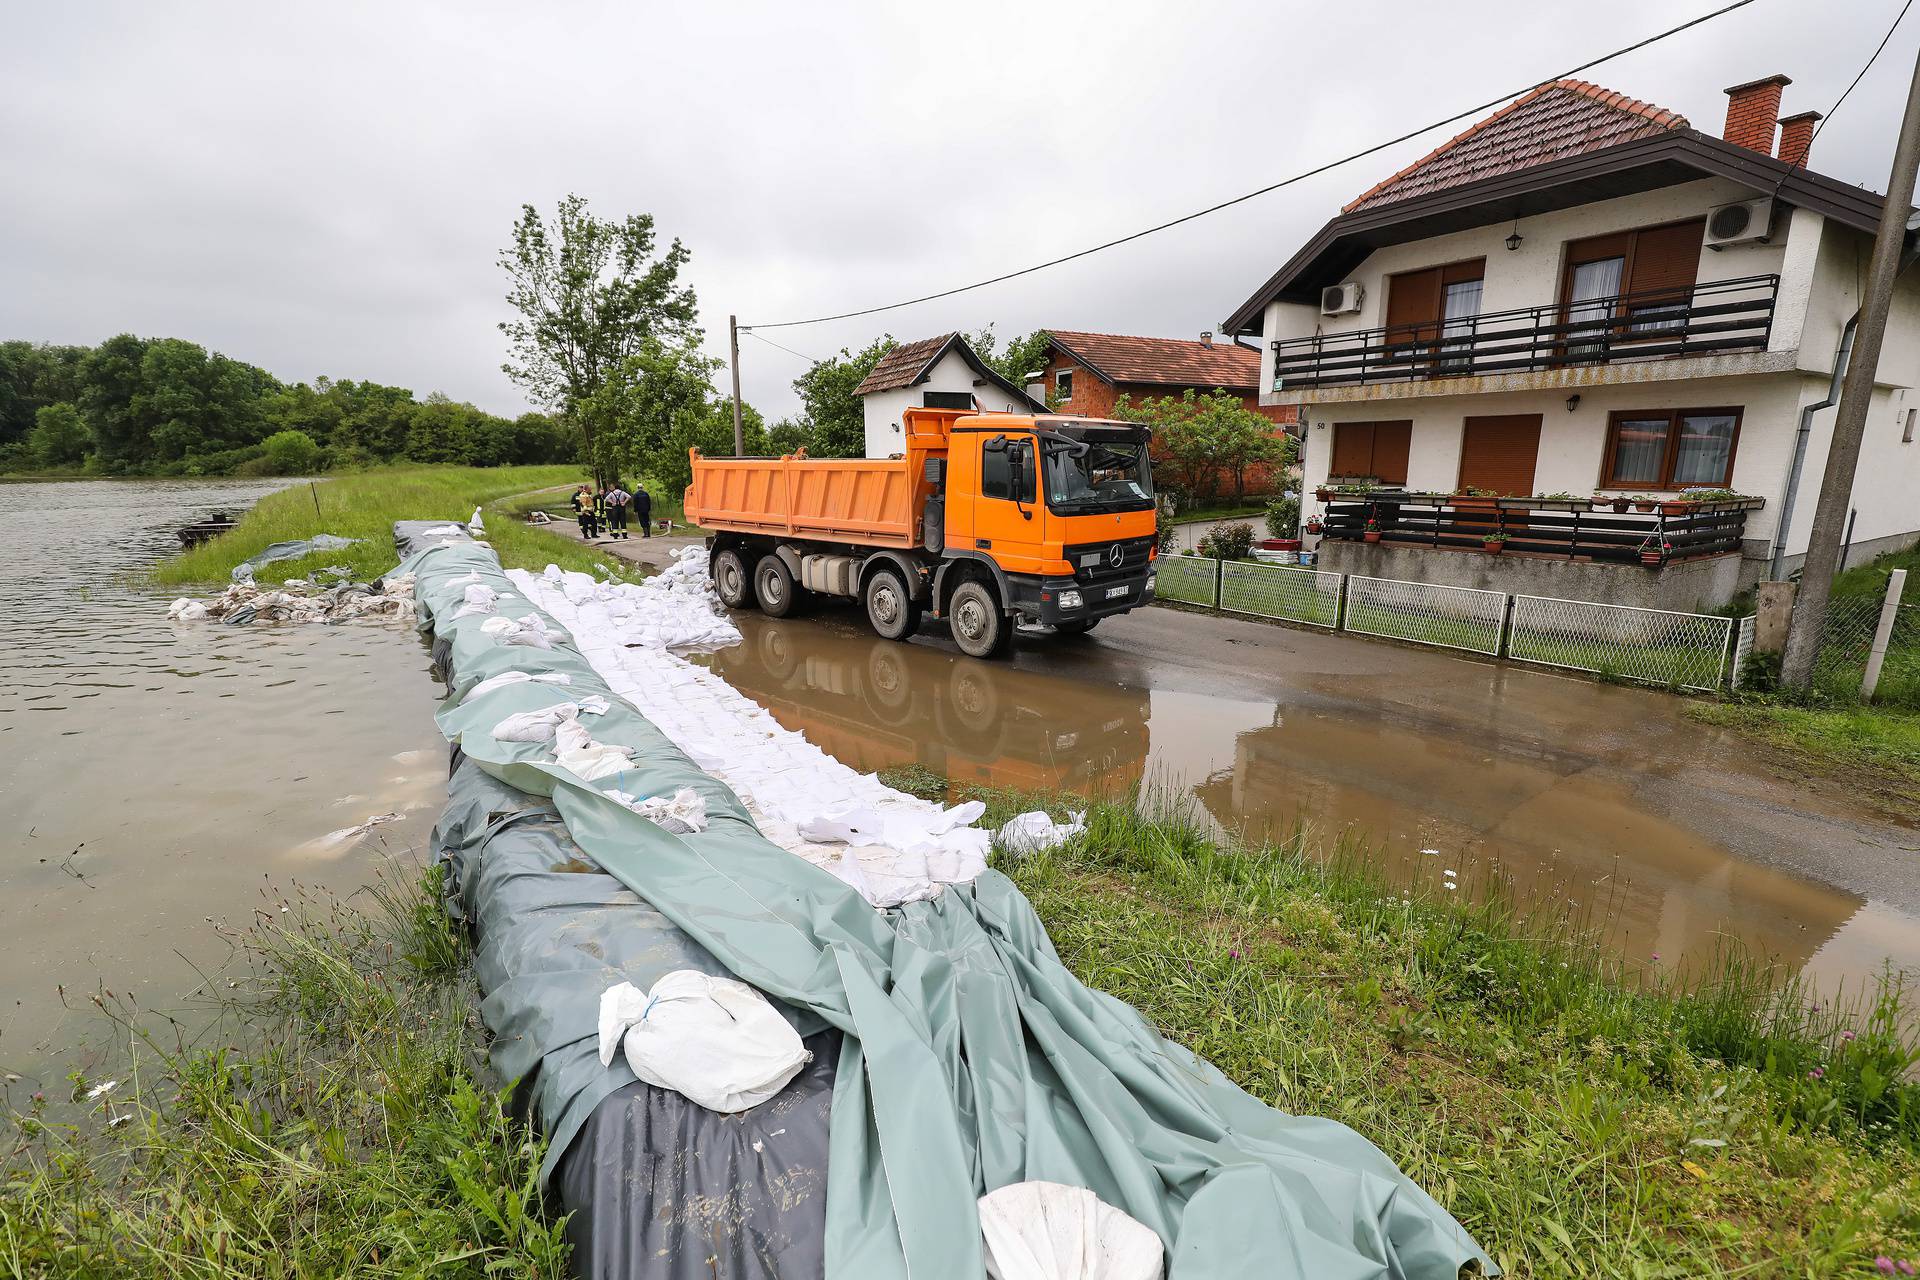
{"type": "Point", "coordinates": [301, 601]}
{"type": "Point", "coordinates": [674, 609]}
{"type": "Point", "coordinates": [892, 848]}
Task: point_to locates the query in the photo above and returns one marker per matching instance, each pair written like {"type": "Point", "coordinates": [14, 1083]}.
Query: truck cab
{"type": "Point", "coordinates": [1060, 510]}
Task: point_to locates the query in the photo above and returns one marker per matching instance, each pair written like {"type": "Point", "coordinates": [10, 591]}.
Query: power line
{"type": "Point", "coordinates": [770, 342]}
{"type": "Point", "coordinates": [1284, 182]}
{"type": "Point", "coordinates": [1878, 50]}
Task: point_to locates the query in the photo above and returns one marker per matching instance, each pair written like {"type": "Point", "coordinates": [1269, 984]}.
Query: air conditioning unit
{"type": "Point", "coordinates": [1747, 222]}
{"type": "Point", "coordinates": [1341, 299]}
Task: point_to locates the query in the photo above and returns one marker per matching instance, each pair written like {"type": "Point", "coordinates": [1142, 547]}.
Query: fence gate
{"type": "Point", "coordinates": [1657, 646]}
{"type": "Point", "coordinates": [1426, 613]}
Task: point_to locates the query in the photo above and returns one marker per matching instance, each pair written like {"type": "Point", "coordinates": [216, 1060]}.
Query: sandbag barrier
{"type": "Point", "coordinates": [652, 1184]}
{"type": "Point", "coordinates": [970, 1058]}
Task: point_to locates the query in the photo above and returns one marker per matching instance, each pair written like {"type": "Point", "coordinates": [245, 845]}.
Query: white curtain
{"type": "Point", "coordinates": [1595, 284]}
{"type": "Point", "coordinates": [1706, 443]}
{"type": "Point", "coordinates": [1460, 305]}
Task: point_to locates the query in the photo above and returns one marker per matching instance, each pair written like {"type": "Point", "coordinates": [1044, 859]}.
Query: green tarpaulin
{"type": "Point", "coordinates": [971, 1057]}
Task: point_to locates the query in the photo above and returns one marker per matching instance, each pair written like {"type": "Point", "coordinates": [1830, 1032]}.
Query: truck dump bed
{"type": "Point", "coordinates": [873, 502]}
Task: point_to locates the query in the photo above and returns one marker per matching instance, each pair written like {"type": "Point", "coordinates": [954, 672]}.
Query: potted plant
{"type": "Point", "coordinates": [1678, 506]}
{"type": "Point", "coordinates": [1641, 502]}
{"type": "Point", "coordinates": [1654, 557]}
{"type": "Point", "coordinates": [1619, 502]}
{"type": "Point", "coordinates": [1553, 502]}
{"type": "Point", "coordinates": [1495, 542]}
{"type": "Point", "coordinates": [1471, 499]}
{"type": "Point", "coordinates": [1372, 532]}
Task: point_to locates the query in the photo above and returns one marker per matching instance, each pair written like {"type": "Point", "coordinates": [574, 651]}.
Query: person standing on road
{"type": "Point", "coordinates": [583, 511]}
{"type": "Point", "coordinates": [643, 508]}
{"type": "Point", "coordinates": [617, 503]}
{"type": "Point", "coordinates": [599, 513]}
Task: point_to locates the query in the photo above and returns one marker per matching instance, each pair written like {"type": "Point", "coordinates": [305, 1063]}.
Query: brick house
{"type": "Point", "coordinates": [1087, 373]}
{"type": "Point", "coordinates": [1582, 323]}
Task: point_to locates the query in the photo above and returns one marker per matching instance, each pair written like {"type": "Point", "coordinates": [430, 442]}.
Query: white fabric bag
{"type": "Point", "coordinates": [1048, 1231]}
{"type": "Point", "coordinates": [506, 678]}
{"type": "Point", "coordinates": [575, 749]}
{"type": "Point", "coordinates": [714, 1040]}
{"type": "Point", "coordinates": [1035, 831]}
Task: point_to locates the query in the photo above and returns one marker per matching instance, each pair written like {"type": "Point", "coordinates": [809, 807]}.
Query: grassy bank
{"type": "Point", "coordinates": [1875, 750]}
{"type": "Point", "coordinates": [337, 1131]}
{"type": "Point", "coordinates": [365, 504]}
{"type": "Point", "coordinates": [1580, 1119]}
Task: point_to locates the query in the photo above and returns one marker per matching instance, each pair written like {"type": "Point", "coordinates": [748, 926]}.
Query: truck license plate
{"type": "Point", "coordinates": [1114, 593]}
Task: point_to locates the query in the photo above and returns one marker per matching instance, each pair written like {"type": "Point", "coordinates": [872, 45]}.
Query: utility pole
{"type": "Point", "coordinates": [733, 344]}
{"type": "Point", "coordinates": [1850, 422]}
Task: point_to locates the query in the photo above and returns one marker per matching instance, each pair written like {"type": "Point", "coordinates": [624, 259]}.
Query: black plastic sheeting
{"type": "Point", "coordinates": [657, 1188]}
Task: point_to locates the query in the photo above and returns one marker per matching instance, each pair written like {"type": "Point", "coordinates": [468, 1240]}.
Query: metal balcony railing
{"type": "Point", "coordinates": [1705, 319]}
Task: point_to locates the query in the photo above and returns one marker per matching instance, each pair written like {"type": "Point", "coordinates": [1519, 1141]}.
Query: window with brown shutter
{"type": "Point", "coordinates": [1655, 268]}
{"type": "Point", "coordinates": [1498, 452]}
{"type": "Point", "coordinates": [1371, 450]}
{"type": "Point", "coordinates": [1424, 305]}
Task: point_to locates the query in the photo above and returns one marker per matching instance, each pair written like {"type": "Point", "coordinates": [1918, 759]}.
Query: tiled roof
{"type": "Point", "coordinates": [1552, 122]}
{"type": "Point", "coordinates": [1169, 362]}
{"type": "Point", "coordinates": [902, 366]}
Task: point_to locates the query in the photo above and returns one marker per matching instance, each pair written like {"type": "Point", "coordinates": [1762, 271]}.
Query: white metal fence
{"type": "Point", "coordinates": [1277, 591]}
{"type": "Point", "coordinates": [1426, 613]}
{"type": "Point", "coordinates": [1655, 646]}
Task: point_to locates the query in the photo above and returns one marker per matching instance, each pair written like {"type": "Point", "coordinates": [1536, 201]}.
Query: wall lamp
{"type": "Point", "coordinates": [1573, 402]}
{"type": "Point", "coordinates": [1513, 242]}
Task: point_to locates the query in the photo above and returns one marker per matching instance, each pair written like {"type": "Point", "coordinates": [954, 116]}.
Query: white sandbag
{"type": "Point", "coordinates": [478, 599]}
{"type": "Point", "coordinates": [528, 630]}
{"type": "Point", "coordinates": [535, 726]}
{"type": "Point", "coordinates": [682, 813]}
{"type": "Point", "coordinates": [506, 678]}
{"type": "Point", "coordinates": [717, 1041]}
{"type": "Point", "coordinates": [476, 526]}
{"type": "Point", "coordinates": [187, 610]}
{"type": "Point", "coordinates": [574, 749]}
{"type": "Point", "coordinates": [1035, 831]}
{"type": "Point", "coordinates": [1047, 1231]}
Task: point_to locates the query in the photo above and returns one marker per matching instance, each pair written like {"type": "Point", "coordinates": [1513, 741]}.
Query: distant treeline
{"type": "Point", "coordinates": [165, 406]}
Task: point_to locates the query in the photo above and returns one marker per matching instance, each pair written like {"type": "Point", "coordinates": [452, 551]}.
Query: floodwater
{"type": "Point", "coordinates": [1598, 803]}
{"type": "Point", "coordinates": [156, 778]}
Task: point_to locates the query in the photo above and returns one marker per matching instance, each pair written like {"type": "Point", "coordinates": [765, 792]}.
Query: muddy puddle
{"type": "Point", "coordinates": [1564, 794]}
{"type": "Point", "coordinates": [157, 778]}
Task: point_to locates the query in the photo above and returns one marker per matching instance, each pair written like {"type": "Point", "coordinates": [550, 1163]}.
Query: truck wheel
{"type": "Point", "coordinates": [979, 628]}
{"type": "Point", "coordinates": [773, 583]}
{"type": "Point", "coordinates": [891, 610]}
{"type": "Point", "coordinates": [730, 580]}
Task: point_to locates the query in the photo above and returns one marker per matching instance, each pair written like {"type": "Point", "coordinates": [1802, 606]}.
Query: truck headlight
{"type": "Point", "coordinates": [1070, 599]}
{"type": "Point", "coordinates": [1150, 580]}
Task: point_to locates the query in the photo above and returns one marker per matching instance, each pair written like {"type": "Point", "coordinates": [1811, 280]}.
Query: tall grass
{"type": "Point", "coordinates": [365, 504]}
{"type": "Point", "coordinates": [1581, 1117]}
{"type": "Point", "coordinates": [337, 1130]}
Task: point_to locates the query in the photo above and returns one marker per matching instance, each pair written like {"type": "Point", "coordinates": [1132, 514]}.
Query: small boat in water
{"type": "Point", "coordinates": [194, 534]}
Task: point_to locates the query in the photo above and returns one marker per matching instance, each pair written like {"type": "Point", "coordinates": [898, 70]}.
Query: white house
{"type": "Point", "coordinates": [933, 373]}
{"type": "Point", "coordinates": [1583, 295]}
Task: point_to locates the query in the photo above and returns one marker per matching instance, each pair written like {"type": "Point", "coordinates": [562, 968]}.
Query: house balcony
{"type": "Point", "coordinates": [1667, 554]}
{"type": "Point", "coordinates": [1718, 328]}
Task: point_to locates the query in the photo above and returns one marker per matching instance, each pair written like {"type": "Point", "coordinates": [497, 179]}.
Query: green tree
{"type": "Point", "coordinates": [1199, 436]}
{"type": "Point", "coordinates": [647, 410]}
{"type": "Point", "coordinates": [1021, 357]}
{"type": "Point", "coordinates": [833, 419]}
{"type": "Point", "coordinates": [590, 292]}
{"type": "Point", "coordinates": [59, 437]}
{"type": "Point", "coordinates": [291, 453]}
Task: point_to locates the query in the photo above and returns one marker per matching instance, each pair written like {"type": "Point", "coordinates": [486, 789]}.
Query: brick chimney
{"type": "Point", "coordinates": [1752, 110]}
{"type": "Point", "coordinates": [1796, 137]}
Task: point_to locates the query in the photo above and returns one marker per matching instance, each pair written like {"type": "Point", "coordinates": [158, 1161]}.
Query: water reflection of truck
{"type": "Point", "coordinates": [988, 521]}
{"type": "Point", "coordinates": [872, 704]}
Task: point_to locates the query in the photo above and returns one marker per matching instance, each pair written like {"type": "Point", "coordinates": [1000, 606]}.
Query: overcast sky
{"type": "Point", "coordinates": [328, 193]}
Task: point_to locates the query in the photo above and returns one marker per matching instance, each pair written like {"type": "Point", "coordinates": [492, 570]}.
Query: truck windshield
{"type": "Point", "coordinates": [1102, 475]}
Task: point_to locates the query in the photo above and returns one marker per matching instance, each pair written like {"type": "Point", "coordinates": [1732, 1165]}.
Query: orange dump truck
{"type": "Point", "coordinates": [988, 520]}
